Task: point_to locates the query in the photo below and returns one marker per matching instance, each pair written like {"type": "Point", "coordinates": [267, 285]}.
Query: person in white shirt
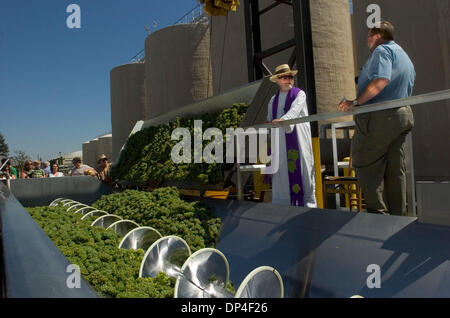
{"type": "Point", "coordinates": [54, 173]}
{"type": "Point", "coordinates": [80, 169]}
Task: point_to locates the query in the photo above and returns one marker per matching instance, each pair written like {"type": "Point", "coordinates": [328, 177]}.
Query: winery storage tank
{"type": "Point", "coordinates": [178, 67]}
{"type": "Point", "coordinates": [128, 103]}
{"type": "Point", "coordinates": [104, 146]}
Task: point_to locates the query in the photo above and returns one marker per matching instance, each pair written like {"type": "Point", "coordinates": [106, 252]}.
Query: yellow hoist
{"type": "Point", "coordinates": [219, 7]}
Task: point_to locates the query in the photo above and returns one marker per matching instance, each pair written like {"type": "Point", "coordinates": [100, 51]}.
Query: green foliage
{"type": "Point", "coordinates": [147, 154]}
{"type": "Point", "coordinates": [20, 157]}
{"type": "Point", "coordinates": [111, 271]}
{"type": "Point", "coordinates": [4, 149]}
{"type": "Point", "coordinates": [164, 210]}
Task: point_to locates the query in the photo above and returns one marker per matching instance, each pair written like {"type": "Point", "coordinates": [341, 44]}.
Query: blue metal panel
{"type": "Point", "coordinates": [324, 253]}
{"type": "Point", "coordinates": [33, 266]}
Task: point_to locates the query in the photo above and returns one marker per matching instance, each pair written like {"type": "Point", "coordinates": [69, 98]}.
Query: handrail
{"type": "Point", "coordinates": [194, 15]}
{"type": "Point", "coordinates": [413, 100]}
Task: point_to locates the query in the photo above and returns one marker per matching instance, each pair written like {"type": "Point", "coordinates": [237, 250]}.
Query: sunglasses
{"type": "Point", "coordinates": [286, 77]}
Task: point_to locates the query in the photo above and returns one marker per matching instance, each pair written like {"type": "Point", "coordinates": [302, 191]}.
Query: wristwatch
{"type": "Point", "coordinates": [355, 102]}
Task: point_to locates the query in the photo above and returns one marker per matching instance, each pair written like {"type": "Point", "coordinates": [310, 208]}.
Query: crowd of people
{"type": "Point", "coordinates": [34, 169]}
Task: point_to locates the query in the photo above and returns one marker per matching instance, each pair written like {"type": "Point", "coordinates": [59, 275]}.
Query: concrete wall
{"type": "Point", "coordinates": [423, 30]}
{"type": "Point", "coordinates": [177, 68]}
{"type": "Point", "coordinates": [128, 102]}
{"type": "Point", "coordinates": [332, 42]}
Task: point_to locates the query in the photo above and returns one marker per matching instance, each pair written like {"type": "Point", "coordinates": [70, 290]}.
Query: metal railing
{"type": "Point", "coordinates": [411, 101]}
{"type": "Point", "coordinates": [195, 15]}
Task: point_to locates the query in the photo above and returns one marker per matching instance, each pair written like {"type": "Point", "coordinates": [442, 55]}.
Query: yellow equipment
{"type": "Point", "coordinates": [219, 7]}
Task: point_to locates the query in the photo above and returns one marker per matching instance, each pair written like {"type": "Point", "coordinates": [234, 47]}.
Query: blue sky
{"type": "Point", "coordinates": [54, 81]}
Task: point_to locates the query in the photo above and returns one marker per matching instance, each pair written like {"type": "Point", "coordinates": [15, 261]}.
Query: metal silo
{"type": "Point", "coordinates": [128, 103]}
{"type": "Point", "coordinates": [104, 147]}
{"type": "Point", "coordinates": [92, 154]}
{"type": "Point", "coordinates": [86, 149]}
{"type": "Point", "coordinates": [178, 67]}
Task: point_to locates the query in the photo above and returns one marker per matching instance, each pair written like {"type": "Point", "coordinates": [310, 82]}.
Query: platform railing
{"type": "Point", "coordinates": [410, 101]}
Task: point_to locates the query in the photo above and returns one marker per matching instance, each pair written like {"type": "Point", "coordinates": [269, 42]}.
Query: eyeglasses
{"type": "Point", "coordinates": [286, 77]}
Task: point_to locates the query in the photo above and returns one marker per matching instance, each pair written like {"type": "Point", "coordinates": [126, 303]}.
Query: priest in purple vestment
{"type": "Point", "coordinates": [294, 182]}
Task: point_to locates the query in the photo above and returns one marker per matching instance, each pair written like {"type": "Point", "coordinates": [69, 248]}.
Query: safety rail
{"type": "Point", "coordinates": [195, 15]}
{"type": "Point", "coordinates": [410, 101]}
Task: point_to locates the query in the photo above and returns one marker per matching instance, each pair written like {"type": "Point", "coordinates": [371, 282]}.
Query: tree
{"type": "Point", "coordinates": [20, 157]}
{"type": "Point", "coordinates": [4, 149]}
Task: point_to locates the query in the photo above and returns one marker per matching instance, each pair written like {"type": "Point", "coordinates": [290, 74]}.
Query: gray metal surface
{"type": "Point", "coordinates": [33, 265]}
{"type": "Point", "coordinates": [262, 282]}
{"type": "Point", "coordinates": [165, 255]}
{"type": "Point", "coordinates": [242, 94]}
{"type": "Point", "coordinates": [200, 271]}
{"type": "Point", "coordinates": [93, 213]}
{"type": "Point", "coordinates": [40, 192]}
{"type": "Point", "coordinates": [86, 210]}
{"type": "Point", "coordinates": [433, 202]}
{"type": "Point", "coordinates": [324, 253]}
{"type": "Point", "coordinates": [122, 227]}
{"type": "Point", "coordinates": [140, 238]}
{"type": "Point", "coordinates": [105, 221]}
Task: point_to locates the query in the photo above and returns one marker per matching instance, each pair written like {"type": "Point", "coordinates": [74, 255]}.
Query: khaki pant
{"type": "Point", "coordinates": [379, 160]}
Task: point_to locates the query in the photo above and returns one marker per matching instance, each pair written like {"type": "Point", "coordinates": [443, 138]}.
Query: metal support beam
{"type": "Point", "coordinates": [305, 57]}
{"type": "Point", "coordinates": [249, 41]}
{"type": "Point", "coordinates": [274, 50]}
{"type": "Point", "coordinates": [256, 31]}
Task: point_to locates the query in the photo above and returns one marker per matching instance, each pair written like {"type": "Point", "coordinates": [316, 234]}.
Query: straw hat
{"type": "Point", "coordinates": [281, 70]}
{"type": "Point", "coordinates": [102, 156]}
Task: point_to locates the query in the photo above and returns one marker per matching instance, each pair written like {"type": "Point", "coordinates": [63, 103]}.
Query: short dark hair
{"type": "Point", "coordinates": [386, 30]}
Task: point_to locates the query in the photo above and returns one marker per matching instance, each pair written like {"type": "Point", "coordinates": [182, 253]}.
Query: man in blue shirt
{"type": "Point", "coordinates": [379, 139]}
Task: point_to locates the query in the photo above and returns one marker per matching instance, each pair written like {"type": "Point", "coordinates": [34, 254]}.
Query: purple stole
{"type": "Point", "coordinates": [292, 151]}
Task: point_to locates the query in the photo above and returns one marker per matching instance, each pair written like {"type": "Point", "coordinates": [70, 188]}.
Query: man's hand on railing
{"type": "Point", "coordinates": [345, 106]}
